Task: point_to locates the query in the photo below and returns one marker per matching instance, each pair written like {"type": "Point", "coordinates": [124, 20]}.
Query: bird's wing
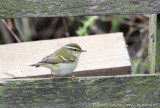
{"type": "Point", "coordinates": [55, 59]}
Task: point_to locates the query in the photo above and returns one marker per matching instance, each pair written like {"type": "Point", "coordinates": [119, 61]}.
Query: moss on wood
{"type": "Point", "coordinates": [87, 92]}
{"type": "Point", "coordinates": [154, 44]}
{"type": "Point", "coordinates": [57, 8]}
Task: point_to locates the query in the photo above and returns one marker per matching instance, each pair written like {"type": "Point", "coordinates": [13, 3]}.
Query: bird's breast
{"type": "Point", "coordinates": [64, 68]}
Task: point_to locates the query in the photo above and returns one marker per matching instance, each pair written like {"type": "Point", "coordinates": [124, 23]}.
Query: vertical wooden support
{"type": "Point", "coordinates": [154, 44]}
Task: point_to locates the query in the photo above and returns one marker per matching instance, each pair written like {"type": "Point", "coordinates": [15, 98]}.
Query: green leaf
{"type": "Point", "coordinates": [86, 24]}
{"type": "Point", "coordinates": [138, 62]}
{"type": "Point", "coordinates": [20, 28]}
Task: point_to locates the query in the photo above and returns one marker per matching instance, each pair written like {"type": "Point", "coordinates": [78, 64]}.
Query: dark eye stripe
{"type": "Point", "coordinates": [73, 49]}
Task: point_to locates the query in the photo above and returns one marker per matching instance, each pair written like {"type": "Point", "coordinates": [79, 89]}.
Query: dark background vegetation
{"type": "Point", "coordinates": [134, 27]}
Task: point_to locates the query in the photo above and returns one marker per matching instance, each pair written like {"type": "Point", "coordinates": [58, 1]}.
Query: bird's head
{"type": "Point", "coordinates": [74, 49]}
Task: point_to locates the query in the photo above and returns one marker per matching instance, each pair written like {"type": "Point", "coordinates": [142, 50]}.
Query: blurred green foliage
{"type": "Point", "coordinates": [88, 21]}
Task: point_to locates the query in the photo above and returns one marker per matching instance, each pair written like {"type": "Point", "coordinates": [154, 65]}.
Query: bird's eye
{"type": "Point", "coordinates": [74, 50]}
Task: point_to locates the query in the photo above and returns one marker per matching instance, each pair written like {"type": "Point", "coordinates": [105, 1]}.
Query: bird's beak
{"type": "Point", "coordinates": [83, 50]}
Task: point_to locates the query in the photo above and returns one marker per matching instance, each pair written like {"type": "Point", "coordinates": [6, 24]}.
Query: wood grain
{"type": "Point", "coordinates": [154, 44]}
{"type": "Point", "coordinates": [59, 8]}
{"type": "Point", "coordinates": [92, 92]}
{"type": "Point", "coordinates": [106, 55]}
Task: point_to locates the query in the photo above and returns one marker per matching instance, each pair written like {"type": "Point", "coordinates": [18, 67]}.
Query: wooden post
{"type": "Point", "coordinates": [154, 44]}
{"type": "Point", "coordinates": [59, 8]}
{"type": "Point", "coordinates": [91, 92]}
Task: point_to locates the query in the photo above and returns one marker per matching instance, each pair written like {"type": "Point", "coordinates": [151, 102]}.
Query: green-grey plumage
{"type": "Point", "coordinates": [62, 61]}
{"type": "Point", "coordinates": [59, 56]}
{"type": "Point", "coordinates": [74, 45]}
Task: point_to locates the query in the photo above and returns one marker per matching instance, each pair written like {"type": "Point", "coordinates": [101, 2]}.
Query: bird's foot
{"type": "Point", "coordinates": [52, 76]}
{"type": "Point", "coordinates": [73, 77]}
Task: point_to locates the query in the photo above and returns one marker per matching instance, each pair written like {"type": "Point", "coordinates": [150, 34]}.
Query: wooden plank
{"type": "Point", "coordinates": [106, 55]}
{"type": "Point", "coordinates": [121, 92]}
{"type": "Point", "coordinates": [59, 8]}
{"type": "Point", "coordinates": [154, 44]}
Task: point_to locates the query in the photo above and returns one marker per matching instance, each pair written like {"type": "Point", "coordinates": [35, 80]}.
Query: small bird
{"type": "Point", "coordinates": [63, 61]}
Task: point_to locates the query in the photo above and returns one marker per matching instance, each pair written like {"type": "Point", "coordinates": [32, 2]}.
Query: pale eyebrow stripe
{"type": "Point", "coordinates": [71, 47]}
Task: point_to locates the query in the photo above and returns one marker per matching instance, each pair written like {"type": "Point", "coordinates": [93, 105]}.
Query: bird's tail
{"type": "Point", "coordinates": [36, 65]}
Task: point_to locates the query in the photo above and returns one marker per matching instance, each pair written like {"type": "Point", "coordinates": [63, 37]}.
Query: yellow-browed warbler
{"type": "Point", "coordinates": [63, 61]}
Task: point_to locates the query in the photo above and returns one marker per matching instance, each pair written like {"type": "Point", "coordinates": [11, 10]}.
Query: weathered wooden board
{"type": "Point", "coordinates": [141, 91]}
{"type": "Point", "coordinates": [58, 8]}
{"type": "Point", "coordinates": [154, 44]}
{"type": "Point", "coordinates": [106, 55]}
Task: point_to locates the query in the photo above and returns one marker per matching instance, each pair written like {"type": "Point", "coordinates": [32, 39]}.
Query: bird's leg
{"type": "Point", "coordinates": [52, 76]}
{"type": "Point", "coordinates": [73, 77]}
